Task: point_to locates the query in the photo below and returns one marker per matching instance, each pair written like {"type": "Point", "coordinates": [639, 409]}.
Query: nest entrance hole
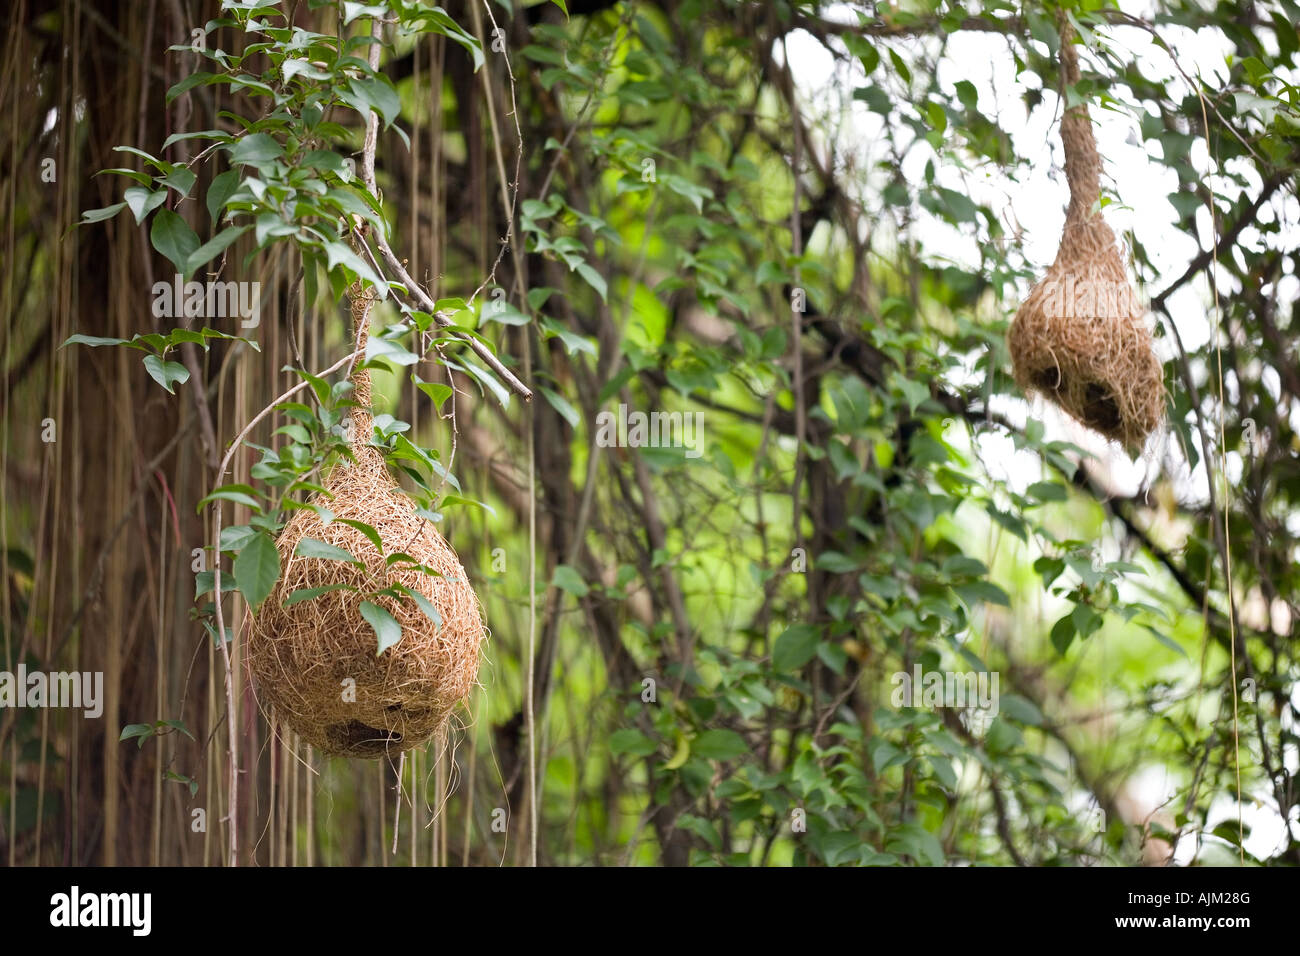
{"type": "Point", "coordinates": [361, 740]}
{"type": "Point", "coordinates": [1100, 410]}
{"type": "Point", "coordinates": [1046, 379]}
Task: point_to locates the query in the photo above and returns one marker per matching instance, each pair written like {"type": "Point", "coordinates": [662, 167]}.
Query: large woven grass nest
{"type": "Point", "coordinates": [315, 662]}
{"type": "Point", "coordinates": [1079, 338]}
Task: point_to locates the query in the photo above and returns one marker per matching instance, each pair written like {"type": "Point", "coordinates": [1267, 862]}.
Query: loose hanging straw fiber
{"type": "Point", "coordinates": [315, 660]}
{"type": "Point", "coordinates": [1079, 339]}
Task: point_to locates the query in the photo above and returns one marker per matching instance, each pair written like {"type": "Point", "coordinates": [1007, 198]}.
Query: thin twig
{"type": "Point", "coordinates": [444, 321]}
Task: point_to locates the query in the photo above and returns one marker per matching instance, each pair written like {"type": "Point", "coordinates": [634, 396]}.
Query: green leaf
{"type": "Point", "coordinates": [572, 341]}
{"type": "Point", "coordinates": [1046, 491]}
{"type": "Point", "coordinates": [568, 579]}
{"type": "Point", "coordinates": [614, 385]}
{"type": "Point", "coordinates": [301, 66]}
{"type": "Point", "coordinates": [147, 157]}
{"type": "Point", "coordinates": [943, 771]}
{"type": "Point", "coordinates": [172, 236]}
{"type": "Point", "coordinates": [913, 392]}
{"type": "Point", "coordinates": [795, 647]}
{"type": "Point", "coordinates": [144, 179]}
{"type": "Point", "coordinates": [977, 591]}
{"type": "Point", "coordinates": [632, 742]}
{"type": "Point", "coordinates": [423, 603]}
{"type": "Point", "coordinates": [309, 594]}
{"type": "Point", "coordinates": [178, 725]}
{"type": "Point", "coordinates": [269, 226]}
{"type": "Point", "coordinates": [235, 536]}
{"type": "Point", "coordinates": [694, 194]}
{"type": "Point", "coordinates": [386, 628]}
{"type": "Point", "coordinates": [484, 378]}
{"type": "Point", "coordinates": [537, 296]}
{"type": "Point", "coordinates": [295, 432]}
{"type": "Point", "coordinates": [836, 563]}
{"type": "Point", "coordinates": [144, 201]}
{"type": "Point", "coordinates": [436, 20]}
{"type": "Point", "coordinates": [1049, 569]}
{"type": "Point", "coordinates": [212, 248]}
{"type": "Point", "coordinates": [99, 215]}
{"type": "Point", "coordinates": [938, 119]}
{"type": "Point", "coordinates": [222, 188]}
{"type": "Point", "coordinates": [1165, 640]}
{"type": "Point", "coordinates": [1063, 634]}
{"type": "Point", "coordinates": [915, 841]}
{"type": "Point", "coordinates": [205, 583]}
{"type": "Point", "coordinates": [833, 656]}
{"type": "Point", "coordinates": [338, 253]}
{"type": "Point", "coordinates": [239, 494]}
{"type": "Point", "coordinates": [958, 205]}
{"type": "Point", "coordinates": [449, 500]}
{"type": "Point", "coordinates": [963, 566]}
{"type": "Point", "coordinates": [371, 534]}
{"type": "Point", "coordinates": [561, 405]}
{"type": "Point", "coordinates": [256, 569]}
{"type": "Point", "coordinates": [181, 778]}
{"type": "Point", "coordinates": [185, 85]}
{"type": "Point", "coordinates": [373, 94]}
{"type": "Point", "coordinates": [197, 134]}
{"type": "Point", "coordinates": [353, 10]}
{"type": "Point", "coordinates": [180, 179]}
{"type": "Point", "coordinates": [594, 279]}
{"type": "Point", "coordinates": [967, 93]}
{"type": "Point", "coordinates": [318, 385]}
{"type": "Point", "coordinates": [1021, 709]}
{"type": "Point", "coordinates": [255, 148]}
{"type": "Point", "coordinates": [387, 349]}
{"type": "Point", "coordinates": [439, 393]}
{"type": "Point", "coordinates": [900, 66]}
{"type": "Point", "coordinates": [504, 313]}
{"type": "Point", "coordinates": [451, 306]}
{"type": "Point", "coordinates": [164, 373]}
{"type": "Point", "coordinates": [315, 548]}
{"type": "Point", "coordinates": [719, 745]}
{"type": "Point", "coordinates": [1086, 620]}
{"type": "Point", "coordinates": [93, 340]}
{"type": "Point", "coordinates": [885, 754]}
{"type": "Point", "coordinates": [142, 731]}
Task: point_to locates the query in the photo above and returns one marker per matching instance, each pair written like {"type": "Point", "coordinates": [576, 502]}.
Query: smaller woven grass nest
{"type": "Point", "coordinates": [1079, 338]}
{"type": "Point", "coordinates": [303, 656]}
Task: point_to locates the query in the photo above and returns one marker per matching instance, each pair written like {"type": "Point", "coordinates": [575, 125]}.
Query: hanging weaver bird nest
{"type": "Point", "coordinates": [315, 661]}
{"type": "Point", "coordinates": [1080, 339]}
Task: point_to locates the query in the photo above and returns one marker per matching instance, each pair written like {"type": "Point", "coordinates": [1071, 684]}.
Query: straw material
{"type": "Point", "coordinates": [315, 660]}
{"type": "Point", "coordinates": [1079, 338]}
